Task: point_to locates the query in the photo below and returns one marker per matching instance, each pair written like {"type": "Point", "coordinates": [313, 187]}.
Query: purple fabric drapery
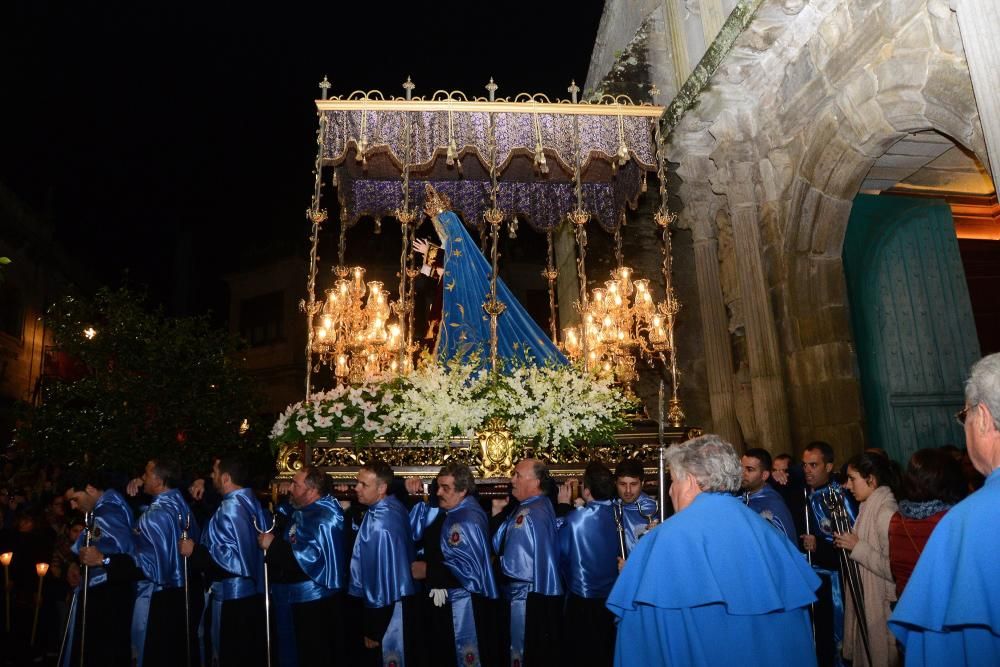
{"type": "Point", "coordinates": [541, 204]}
{"type": "Point", "coordinates": [600, 136]}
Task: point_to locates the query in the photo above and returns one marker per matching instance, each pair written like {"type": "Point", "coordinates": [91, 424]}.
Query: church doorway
{"type": "Point", "coordinates": [920, 259]}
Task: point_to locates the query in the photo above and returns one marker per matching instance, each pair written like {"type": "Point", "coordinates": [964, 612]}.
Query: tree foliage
{"type": "Point", "coordinates": [146, 385]}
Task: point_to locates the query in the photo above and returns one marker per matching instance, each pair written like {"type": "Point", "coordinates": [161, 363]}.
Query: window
{"type": "Point", "coordinates": [11, 311]}
{"type": "Point", "coordinates": [262, 319]}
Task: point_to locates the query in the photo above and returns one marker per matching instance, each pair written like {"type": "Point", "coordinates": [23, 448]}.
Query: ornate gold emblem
{"type": "Point", "coordinates": [497, 444]}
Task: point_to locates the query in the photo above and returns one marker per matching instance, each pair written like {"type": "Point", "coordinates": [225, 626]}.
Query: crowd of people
{"type": "Point", "coordinates": [868, 563]}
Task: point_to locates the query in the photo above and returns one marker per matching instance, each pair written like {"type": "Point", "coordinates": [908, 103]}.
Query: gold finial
{"type": "Point", "coordinates": [435, 202]}
{"type": "Point", "coordinates": [493, 215]}
{"type": "Point", "coordinates": [573, 90]}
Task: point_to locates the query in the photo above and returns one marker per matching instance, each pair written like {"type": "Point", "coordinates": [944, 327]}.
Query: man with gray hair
{"type": "Point", "coordinates": [527, 552]}
{"type": "Point", "coordinates": [714, 569]}
{"type": "Point", "coordinates": [948, 613]}
{"type": "Point", "coordinates": [461, 616]}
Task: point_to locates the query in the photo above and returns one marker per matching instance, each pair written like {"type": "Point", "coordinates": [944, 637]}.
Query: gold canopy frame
{"type": "Point", "coordinates": [349, 133]}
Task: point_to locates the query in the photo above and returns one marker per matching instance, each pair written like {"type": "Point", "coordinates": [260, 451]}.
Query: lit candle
{"type": "Point", "coordinates": [41, 569]}
{"type": "Point", "coordinates": [5, 559]}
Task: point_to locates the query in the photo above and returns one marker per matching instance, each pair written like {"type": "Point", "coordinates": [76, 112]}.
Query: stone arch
{"type": "Point", "coordinates": [924, 85]}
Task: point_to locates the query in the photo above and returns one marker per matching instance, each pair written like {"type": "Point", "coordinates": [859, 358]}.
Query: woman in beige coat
{"type": "Point", "coordinates": [870, 477]}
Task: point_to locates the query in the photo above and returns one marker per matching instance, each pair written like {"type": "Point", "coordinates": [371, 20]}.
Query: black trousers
{"type": "Point", "coordinates": [243, 628]}
{"type": "Point", "coordinates": [109, 624]}
{"type": "Point", "coordinates": [319, 631]}
{"type": "Point", "coordinates": [826, 646]}
{"type": "Point", "coordinates": [589, 632]}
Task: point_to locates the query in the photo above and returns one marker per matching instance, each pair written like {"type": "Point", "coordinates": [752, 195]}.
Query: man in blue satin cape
{"type": "Point", "coordinates": [949, 613]}
{"type": "Point", "coordinates": [380, 573]}
{"type": "Point", "coordinates": [528, 553]}
{"type": "Point", "coordinates": [308, 573]}
{"type": "Point", "coordinates": [158, 619]}
{"type": "Point", "coordinates": [113, 573]}
{"type": "Point", "coordinates": [761, 497]}
{"type": "Point", "coordinates": [828, 619]}
{"type": "Point", "coordinates": [461, 609]}
{"type": "Point", "coordinates": [714, 579]}
{"type": "Point", "coordinates": [588, 558]}
{"type": "Point", "coordinates": [229, 556]}
{"type": "Point", "coordinates": [638, 508]}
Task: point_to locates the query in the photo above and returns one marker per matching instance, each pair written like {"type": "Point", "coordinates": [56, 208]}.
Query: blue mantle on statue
{"type": "Point", "coordinates": [465, 326]}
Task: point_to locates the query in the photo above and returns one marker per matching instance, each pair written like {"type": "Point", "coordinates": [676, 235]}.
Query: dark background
{"type": "Point", "coordinates": [167, 144]}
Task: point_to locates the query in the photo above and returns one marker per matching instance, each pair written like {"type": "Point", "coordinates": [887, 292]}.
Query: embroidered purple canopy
{"type": "Point", "coordinates": [448, 141]}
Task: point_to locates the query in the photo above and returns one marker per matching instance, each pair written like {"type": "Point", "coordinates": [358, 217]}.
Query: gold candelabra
{"type": "Point", "coordinates": [620, 322]}
{"type": "Point", "coordinates": [352, 331]}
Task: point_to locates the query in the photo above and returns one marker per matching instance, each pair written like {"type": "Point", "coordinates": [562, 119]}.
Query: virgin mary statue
{"type": "Point", "coordinates": [465, 327]}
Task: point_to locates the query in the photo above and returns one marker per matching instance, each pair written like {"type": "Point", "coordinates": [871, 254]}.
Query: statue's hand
{"type": "Point", "coordinates": [420, 246]}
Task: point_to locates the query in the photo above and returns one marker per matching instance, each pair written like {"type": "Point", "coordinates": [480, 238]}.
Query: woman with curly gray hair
{"type": "Point", "coordinates": [714, 569]}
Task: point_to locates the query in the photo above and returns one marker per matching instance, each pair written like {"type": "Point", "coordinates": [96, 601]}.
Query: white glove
{"type": "Point", "coordinates": [439, 595]}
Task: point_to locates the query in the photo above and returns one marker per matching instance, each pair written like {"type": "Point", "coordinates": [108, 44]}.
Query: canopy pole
{"type": "Point", "coordinates": [317, 216]}
{"type": "Point", "coordinates": [494, 216]}
{"type": "Point", "coordinates": [407, 217]}
{"type": "Point", "coordinates": [551, 274]}
{"type": "Point", "coordinates": [664, 217]}
{"type": "Point", "coordinates": [579, 217]}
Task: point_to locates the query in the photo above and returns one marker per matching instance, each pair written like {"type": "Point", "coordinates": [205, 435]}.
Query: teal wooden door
{"type": "Point", "coordinates": [912, 320]}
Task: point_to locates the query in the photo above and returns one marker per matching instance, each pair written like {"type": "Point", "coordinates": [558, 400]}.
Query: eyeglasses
{"type": "Point", "coordinates": [962, 414]}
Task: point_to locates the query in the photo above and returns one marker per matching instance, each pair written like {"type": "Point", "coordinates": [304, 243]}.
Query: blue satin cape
{"type": "Point", "coordinates": [231, 540]}
{"type": "Point", "coordinates": [466, 548]}
{"type": "Point", "coordinates": [771, 506]}
{"type": "Point", "coordinates": [712, 577]}
{"type": "Point", "coordinates": [316, 534]}
{"type": "Point", "coordinates": [588, 550]}
{"type": "Point", "coordinates": [380, 568]}
{"type": "Point", "coordinates": [158, 530]}
{"type": "Point", "coordinates": [422, 515]}
{"type": "Point", "coordinates": [636, 524]}
{"type": "Point", "coordinates": [112, 535]}
{"type": "Point", "coordinates": [528, 550]}
{"type": "Point", "coordinates": [950, 610]}
{"type": "Point", "coordinates": [465, 327]}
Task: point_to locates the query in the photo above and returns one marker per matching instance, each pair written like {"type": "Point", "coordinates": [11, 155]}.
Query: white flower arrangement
{"type": "Point", "coordinates": [342, 411]}
{"type": "Point", "coordinates": [553, 407]}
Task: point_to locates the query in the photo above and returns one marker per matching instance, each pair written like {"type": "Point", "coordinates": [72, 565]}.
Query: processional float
{"type": "Point", "coordinates": [500, 161]}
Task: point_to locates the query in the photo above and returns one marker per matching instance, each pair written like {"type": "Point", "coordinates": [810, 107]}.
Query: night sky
{"type": "Point", "coordinates": [171, 143]}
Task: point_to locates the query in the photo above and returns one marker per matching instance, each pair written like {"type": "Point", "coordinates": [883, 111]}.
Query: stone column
{"type": "Point", "coordinates": [979, 23]}
{"type": "Point", "coordinates": [770, 405]}
{"type": "Point", "coordinates": [567, 284]}
{"type": "Point", "coordinates": [717, 346]}
{"type": "Point", "coordinates": [678, 41]}
{"type": "Point", "coordinates": [711, 19]}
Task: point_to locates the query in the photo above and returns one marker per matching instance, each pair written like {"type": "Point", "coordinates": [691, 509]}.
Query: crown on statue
{"type": "Point", "coordinates": [434, 201]}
